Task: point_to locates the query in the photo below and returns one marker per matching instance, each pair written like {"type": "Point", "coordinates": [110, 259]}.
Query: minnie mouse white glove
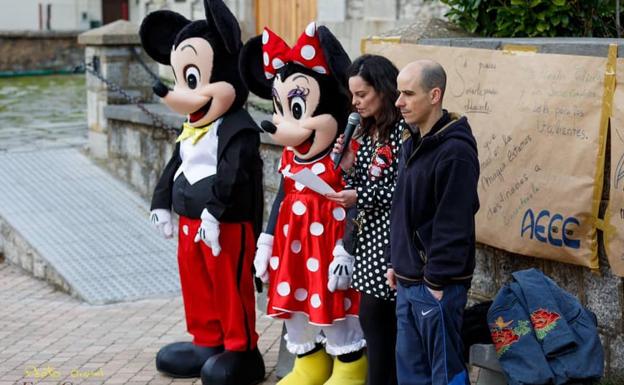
{"type": "Point", "coordinates": [161, 219]}
{"type": "Point", "coordinates": [263, 255]}
{"type": "Point", "coordinates": [209, 232]}
{"type": "Point", "coordinates": [340, 269]}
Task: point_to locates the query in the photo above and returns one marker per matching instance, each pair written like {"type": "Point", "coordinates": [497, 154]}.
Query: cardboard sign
{"type": "Point", "coordinates": [536, 118]}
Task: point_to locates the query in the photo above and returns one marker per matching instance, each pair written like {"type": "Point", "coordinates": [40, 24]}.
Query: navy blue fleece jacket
{"type": "Point", "coordinates": [432, 234]}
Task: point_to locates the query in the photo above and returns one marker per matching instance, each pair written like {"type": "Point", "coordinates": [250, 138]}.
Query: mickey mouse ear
{"type": "Point", "coordinates": [158, 32]}
{"type": "Point", "coordinates": [219, 16]}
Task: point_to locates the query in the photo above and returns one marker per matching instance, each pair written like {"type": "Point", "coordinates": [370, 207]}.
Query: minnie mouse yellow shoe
{"type": "Point", "coordinates": [312, 369]}
{"type": "Point", "coordinates": [349, 373]}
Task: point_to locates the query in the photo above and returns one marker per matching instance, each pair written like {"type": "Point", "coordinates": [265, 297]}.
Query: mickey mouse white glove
{"type": "Point", "coordinates": [209, 232]}
{"type": "Point", "coordinates": [340, 269]}
{"type": "Point", "coordinates": [263, 255]}
{"type": "Point", "coordinates": [161, 219]}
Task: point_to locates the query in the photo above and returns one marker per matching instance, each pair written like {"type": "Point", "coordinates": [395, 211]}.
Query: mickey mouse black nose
{"type": "Point", "coordinates": [268, 127]}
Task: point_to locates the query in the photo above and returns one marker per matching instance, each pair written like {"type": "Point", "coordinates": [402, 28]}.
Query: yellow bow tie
{"type": "Point", "coordinates": [196, 133]}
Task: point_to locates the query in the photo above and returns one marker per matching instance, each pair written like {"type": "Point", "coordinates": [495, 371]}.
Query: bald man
{"type": "Point", "coordinates": [432, 233]}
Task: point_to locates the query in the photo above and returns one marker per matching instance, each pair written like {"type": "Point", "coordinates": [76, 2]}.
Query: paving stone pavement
{"type": "Point", "coordinates": [46, 331]}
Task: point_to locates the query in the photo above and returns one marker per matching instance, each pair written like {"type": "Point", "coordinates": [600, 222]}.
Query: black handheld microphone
{"type": "Point", "coordinates": [352, 123]}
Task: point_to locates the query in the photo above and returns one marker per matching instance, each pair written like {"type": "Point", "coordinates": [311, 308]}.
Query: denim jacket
{"type": "Point", "coordinates": [542, 334]}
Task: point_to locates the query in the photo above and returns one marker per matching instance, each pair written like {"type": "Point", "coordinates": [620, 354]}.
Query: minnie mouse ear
{"type": "Point", "coordinates": [158, 32]}
{"type": "Point", "coordinates": [219, 16]}
{"type": "Point", "coordinates": [252, 68]}
{"type": "Point", "coordinates": [337, 59]}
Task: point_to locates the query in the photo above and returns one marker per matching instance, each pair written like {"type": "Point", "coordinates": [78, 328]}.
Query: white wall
{"type": "Point", "coordinates": [64, 15]}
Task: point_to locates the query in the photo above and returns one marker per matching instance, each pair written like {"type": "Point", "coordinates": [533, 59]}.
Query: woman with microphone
{"type": "Point", "coordinates": [370, 164]}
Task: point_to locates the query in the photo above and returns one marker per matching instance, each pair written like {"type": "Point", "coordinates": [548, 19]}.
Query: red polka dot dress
{"type": "Point", "coordinates": [308, 227]}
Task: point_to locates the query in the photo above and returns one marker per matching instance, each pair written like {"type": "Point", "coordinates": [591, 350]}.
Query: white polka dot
{"type": "Point", "coordinates": [316, 228]}
{"type": "Point", "coordinates": [319, 69]}
{"type": "Point", "coordinates": [312, 264]}
{"type": "Point", "coordinates": [185, 229]}
{"type": "Point", "coordinates": [315, 301]}
{"type": "Point", "coordinates": [308, 52]}
{"type": "Point", "coordinates": [299, 208]}
{"type": "Point", "coordinates": [318, 168]}
{"type": "Point", "coordinates": [274, 262]}
{"type": "Point", "coordinates": [347, 304]}
{"type": "Point", "coordinates": [268, 75]}
{"type": "Point", "coordinates": [310, 29]}
{"type": "Point", "coordinates": [301, 294]}
{"type": "Point", "coordinates": [283, 289]}
{"type": "Point", "coordinates": [299, 186]}
{"type": "Point", "coordinates": [277, 63]}
{"type": "Point", "coordinates": [285, 230]}
{"type": "Point", "coordinates": [265, 58]}
{"type": "Point", "coordinates": [265, 37]}
{"type": "Point", "coordinates": [295, 246]}
{"type": "Point", "coordinates": [339, 213]}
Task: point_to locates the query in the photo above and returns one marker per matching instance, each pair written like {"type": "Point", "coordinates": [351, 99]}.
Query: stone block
{"type": "Point", "coordinates": [507, 263]}
{"type": "Point", "coordinates": [116, 144]}
{"type": "Point", "coordinates": [98, 145]}
{"type": "Point", "coordinates": [102, 123]}
{"type": "Point", "coordinates": [39, 267]}
{"type": "Point", "coordinates": [379, 10]}
{"type": "Point", "coordinates": [150, 154]}
{"type": "Point", "coordinates": [603, 292]}
{"type": "Point", "coordinates": [616, 364]}
{"type": "Point", "coordinates": [137, 177]}
{"type": "Point", "coordinates": [92, 113]}
{"type": "Point", "coordinates": [483, 281]}
{"type": "Point", "coordinates": [568, 277]}
{"type": "Point", "coordinates": [138, 76]}
{"type": "Point", "coordinates": [132, 148]}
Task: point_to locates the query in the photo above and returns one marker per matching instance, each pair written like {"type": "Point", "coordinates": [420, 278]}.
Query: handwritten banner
{"type": "Point", "coordinates": [614, 233]}
{"type": "Point", "coordinates": [536, 118]}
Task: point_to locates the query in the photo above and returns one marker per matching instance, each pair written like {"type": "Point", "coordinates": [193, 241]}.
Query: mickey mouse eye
{"type": "Point", "coordinates": [191, 74]}
{"type": "Point", "coordinates": [298, 107]}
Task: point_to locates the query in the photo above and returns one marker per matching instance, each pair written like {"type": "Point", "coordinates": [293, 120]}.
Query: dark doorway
{"type": "Point", "coordinates": [114, 10]}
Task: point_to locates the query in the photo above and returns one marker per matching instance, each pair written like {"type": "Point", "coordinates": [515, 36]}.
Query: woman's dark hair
{"type": "Point", "coordinates": [380, 74]}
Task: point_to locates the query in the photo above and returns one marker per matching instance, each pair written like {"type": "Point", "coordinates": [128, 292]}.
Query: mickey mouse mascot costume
{"type": "Point", "coordinates": [214, 183]}
{"type": "Point", "coordinates": [301, 252]}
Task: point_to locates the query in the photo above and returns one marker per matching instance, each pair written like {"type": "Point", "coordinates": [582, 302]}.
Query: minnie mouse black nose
{"type": "Point", "coordinates": [268, 127]}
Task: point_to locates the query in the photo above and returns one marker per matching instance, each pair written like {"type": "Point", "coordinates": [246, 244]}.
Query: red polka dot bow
{"type": "Point", "coordinates": [307, 52]}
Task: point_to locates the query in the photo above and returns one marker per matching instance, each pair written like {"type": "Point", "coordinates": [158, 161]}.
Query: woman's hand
{"type": "Point", "coordinates": [348, 158]}
{"type": "Point", "coordinates": [346, 198]}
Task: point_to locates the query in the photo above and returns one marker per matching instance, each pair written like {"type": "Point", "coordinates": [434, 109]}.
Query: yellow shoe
{"type": "Point", "coordinates": [313, 369]}
{"type": "Point", "coordinates": [349, 373]}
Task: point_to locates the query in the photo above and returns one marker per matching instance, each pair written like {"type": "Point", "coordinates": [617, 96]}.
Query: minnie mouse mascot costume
{"type": "Point", "coordinates": [214, 183]}
{"type": "Point", "coordinates": [301, 253]}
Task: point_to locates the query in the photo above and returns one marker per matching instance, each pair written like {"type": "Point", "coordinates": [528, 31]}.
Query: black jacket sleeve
{"type": "Point", "coordinates": [270, 229]}
{"type": "Point", "coordinates": [233, 171]}
{"type": "Point", "coordinates": [451, 254]}
{"type": "Point", "coordinates": [161, 199]}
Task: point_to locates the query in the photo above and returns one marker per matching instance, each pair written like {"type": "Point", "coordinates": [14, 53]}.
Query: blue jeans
{"type": "Point", "coordinates": [429, 344]}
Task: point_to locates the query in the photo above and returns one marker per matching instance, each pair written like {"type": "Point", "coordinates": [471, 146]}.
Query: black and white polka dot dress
{"type": "Point", "coordinates": [374, 178]}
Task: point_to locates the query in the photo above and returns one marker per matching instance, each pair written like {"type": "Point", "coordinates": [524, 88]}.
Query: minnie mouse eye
{"type": "Point", "coordinates": [298, 107]}
{"type": "Point", "coordinates": [191, 74]}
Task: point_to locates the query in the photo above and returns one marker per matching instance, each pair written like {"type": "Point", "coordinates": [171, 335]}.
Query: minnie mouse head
{"type": "Point", "coordinates": [204, 58]}
{"type": "Point", "coordinates": [307, 84]}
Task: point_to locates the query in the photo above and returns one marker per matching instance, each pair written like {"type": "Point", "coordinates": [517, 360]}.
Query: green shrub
{"type": "Point", "coordinates": [534, 18]}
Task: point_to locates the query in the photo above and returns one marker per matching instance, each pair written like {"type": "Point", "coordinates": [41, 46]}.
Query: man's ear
{"type": "Point", "coordinates": [436, 95]}
{"type": "Point", "coordinates": [158, 32]}
{"type": "Point", "coordinates": [252, 68]}
{"type": "Point", "coordinates": [219, 17]}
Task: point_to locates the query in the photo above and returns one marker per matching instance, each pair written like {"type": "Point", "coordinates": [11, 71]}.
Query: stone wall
{"type": "Point", "coordinates": [394, 9]}
{"type": "Point", "coordinates": [30, 51]}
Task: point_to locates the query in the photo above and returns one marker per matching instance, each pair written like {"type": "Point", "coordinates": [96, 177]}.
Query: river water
{"type": "Point", "coordinates": [42, 111]}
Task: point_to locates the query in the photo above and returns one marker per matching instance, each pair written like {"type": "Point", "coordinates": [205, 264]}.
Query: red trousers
{"type": "Point", "coordinates": [218, 292]}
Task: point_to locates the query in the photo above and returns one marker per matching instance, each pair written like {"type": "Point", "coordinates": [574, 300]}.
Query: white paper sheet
{"type": "Point", "coordinates": [312, 181]}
